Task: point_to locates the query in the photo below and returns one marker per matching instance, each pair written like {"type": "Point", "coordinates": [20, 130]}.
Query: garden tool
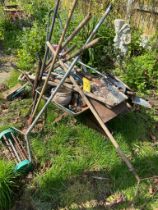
{"type": "Point", "coordinates": [14, 149]}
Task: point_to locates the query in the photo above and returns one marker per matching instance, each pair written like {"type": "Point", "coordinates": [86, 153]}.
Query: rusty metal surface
{"type": "Point", "coordinates": [110, 93]}
{"type": "Point", "coordinates": [107, 114]}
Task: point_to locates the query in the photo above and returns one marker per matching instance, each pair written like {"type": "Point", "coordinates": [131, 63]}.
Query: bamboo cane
{"type": "Point", "coordinates": [74, 33]}
{"type": "Point", "coordinates": [79, 52]}
{"type": "Point", "coordinates": [55, 56]}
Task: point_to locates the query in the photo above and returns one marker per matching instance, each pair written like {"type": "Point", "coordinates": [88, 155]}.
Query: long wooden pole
{"type": "Point", "coordinates": [77, 30]}
{"type": "Point", "coordinates": [78, 52]}
{"type": "Point", "coordinates": [55, 56]}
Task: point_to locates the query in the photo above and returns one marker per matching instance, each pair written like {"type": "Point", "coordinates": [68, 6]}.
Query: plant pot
{"type": "Point", "coordinates": [63, 96]}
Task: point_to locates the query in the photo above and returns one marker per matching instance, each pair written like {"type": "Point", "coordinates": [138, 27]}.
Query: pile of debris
{"type": "Point", "coordinates": [75, 87]}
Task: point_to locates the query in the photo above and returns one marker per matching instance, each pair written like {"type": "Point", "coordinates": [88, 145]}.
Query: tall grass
{"type": "Point", "coordinates": [7, 177]}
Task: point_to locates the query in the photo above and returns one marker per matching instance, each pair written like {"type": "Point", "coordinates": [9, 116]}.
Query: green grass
{"type": "Point", "coordinates": [7, 177]}
{"type": "Point", "coordinates": [71, 155]}
{"type": "Point", "coordinates": [15, 114]}
{"type": "Point", "coordinates": [76, 167]}
{"type": "Point", "coordinates": [13, 79]}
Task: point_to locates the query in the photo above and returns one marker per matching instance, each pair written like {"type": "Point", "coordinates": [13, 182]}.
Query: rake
{"type": "Point", "coordinates": [14, 149]}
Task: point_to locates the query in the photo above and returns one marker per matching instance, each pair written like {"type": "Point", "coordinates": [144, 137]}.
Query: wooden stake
{"type": "Point", "coordinates": [77, 30]}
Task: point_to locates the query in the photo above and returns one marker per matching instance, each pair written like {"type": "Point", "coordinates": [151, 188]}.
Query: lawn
{"type": "Point", "coordinates": [76, 167]}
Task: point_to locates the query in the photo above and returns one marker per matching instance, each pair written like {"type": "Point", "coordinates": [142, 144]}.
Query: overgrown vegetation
{"type": "Point", "coordinates": [28, 41]}
{"type": "Point", "coordinates": [140, 72]}
{"type": "Point", "coordinates": [7, 183]}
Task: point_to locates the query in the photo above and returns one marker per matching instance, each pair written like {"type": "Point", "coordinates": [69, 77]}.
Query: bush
{"type": "Point", "coordinates": [141, 72]}
{"type": "Point", "coordinates": [102, 55]}
{"type": "Point", "coordinates": [31, 43]}
{"type": "Point", "coordinates": [38, 9]}
{"type": "Point", "coordinates": [7, 177]}
{"type": "Point", "coordinates": [135, 47]}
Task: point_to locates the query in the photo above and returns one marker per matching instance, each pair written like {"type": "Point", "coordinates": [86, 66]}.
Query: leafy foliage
{"type": "Point", "coordinates": [31, 42]}
{"type": "Point", "coordinates": [141, 72]}
{"type": "Point", "coordinates": [102, 55]}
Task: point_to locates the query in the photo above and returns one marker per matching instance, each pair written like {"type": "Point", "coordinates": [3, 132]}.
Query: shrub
{"type": "Point", "coordinates": [141, 72]}
{"type": "Point", "coordinates": [102, 55]}
{"type": "Point", "coordinates": [135, 47]}
{"type": "Point", "coordinates": [7, 177]}
{"type": "Point", "coordinates": [31, 42]}
{"type": "Point", "coordinates": [37, 9]}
